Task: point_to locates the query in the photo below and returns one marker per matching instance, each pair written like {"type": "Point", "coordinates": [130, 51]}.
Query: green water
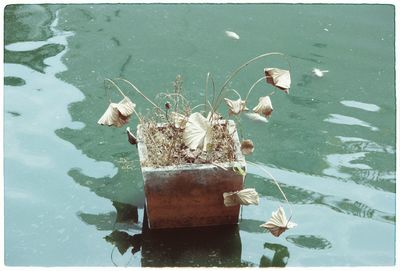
{"type": "Point", "coordinates": [73, 190]}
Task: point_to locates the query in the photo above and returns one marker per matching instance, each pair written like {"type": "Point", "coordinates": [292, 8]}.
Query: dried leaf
{"type": "Point", "coordinates": [247, 147]}
{"type": "Point", "coordinates": [278, 78]}
{"type": "Point", "coordinates": [236, 107]}
{"type": "Point", "coordinates": [197, 133]}
{"type": "Point", "coordinates": [246, 196]}
{"type": "Point", "coordinates": [278, 223]}
{"type": "Point", "coordinates": [264, 107]}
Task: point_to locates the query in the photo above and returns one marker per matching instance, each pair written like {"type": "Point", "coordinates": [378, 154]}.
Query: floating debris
{"type": "Point", "coordinates": [232, 35]}
{"type": "Point", "coordinates": [318, 72]}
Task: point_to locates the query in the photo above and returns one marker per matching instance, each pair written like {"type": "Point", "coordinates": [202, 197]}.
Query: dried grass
{"type": "Point", "coordinates": [165, 146]}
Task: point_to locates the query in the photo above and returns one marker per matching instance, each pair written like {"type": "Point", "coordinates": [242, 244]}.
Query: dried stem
{"type": "Point", "coordinates": [138, 91]}
{"type": "Point", "coordinates": [276, 183]}
{"type": "Point", "coordinates": [235, 72]}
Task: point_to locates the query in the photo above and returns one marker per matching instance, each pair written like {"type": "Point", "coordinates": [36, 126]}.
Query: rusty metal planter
{"type": "Point", "coordinates": [190, 195]}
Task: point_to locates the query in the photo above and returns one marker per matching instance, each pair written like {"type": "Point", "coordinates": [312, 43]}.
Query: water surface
{"type": "Point", "coordinates": [74, 191]}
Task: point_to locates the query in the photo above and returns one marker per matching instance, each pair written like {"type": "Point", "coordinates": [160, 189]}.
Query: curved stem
{"type": "Point", "coordinates": [137, 115]}
{"type": "Point", "coordinates": [235, 72]}
{"type": "Point", "coordinates": [276, 183]}
{"type": "Point", "coordinates": [115, 85]}
{"type": "Point", "coordinates": [251, 88]}
{"type": "Point", "coordinates": [197, 106]}
{"type": "Point", "coordinates": [138, 91]}
{"type": "Point", "coordinates": [209, 76]}
{"type": "Point", "coordinates": [237, 93]}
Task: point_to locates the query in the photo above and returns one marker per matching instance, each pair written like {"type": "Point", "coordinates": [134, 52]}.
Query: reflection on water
{"type": "Point", "coordinates": [218, 246]}
{"type": "Point", "coordinates": [346, 120]}
{"type": "Point", "coordinates": [298, 195]}
{"type": "Point", "coordinates": [360, 105]}
{"type": "Point", "coordinates": [34, 58]}
{"type": "Point", "coordinates": [309, 241]}
{"type": "Point", "coordinates": [14, 81]}
{"type": "Point", "coordinates": [279, 258]}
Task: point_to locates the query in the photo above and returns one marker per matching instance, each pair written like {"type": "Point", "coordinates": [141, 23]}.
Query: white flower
{"type": "Point", "coordinates": [278, 223]}
{"type": "Point", "coordinates": [264, 107]}
{"type": "Point", "coordinates": [236, 107]}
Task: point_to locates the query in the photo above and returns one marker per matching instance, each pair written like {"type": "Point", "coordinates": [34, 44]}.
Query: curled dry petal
{"type": "Point", "coordinates": [197, 132]}
{"type": "Point", "coordinates": [126, 107]}
{"type": "Point", "coordinates": [246, 196]}
{"type": "Point", "coordinates": [236, 107]}
{"type": "Point", "coordinates": [247, 147]}
{"type": "Point", "coordinates": [278, 223]}
{"type": "Point", "coordinates": [264, 107]}
{"type": "Point", "coordinates": [179, 120]}
{"type": "Point", "coordinates": [117, 114]}
{"type": "Point", "coordinates": [278, 78]}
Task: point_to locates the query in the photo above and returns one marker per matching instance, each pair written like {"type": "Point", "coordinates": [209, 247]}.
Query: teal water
{"type": "Point", "coordinates": [73, 190]}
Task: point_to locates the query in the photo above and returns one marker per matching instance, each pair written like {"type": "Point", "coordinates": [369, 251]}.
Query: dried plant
{"type": "Point", "coordinates": [176, 134]}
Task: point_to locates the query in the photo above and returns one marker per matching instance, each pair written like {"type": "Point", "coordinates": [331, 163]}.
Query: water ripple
{"type": "Point", "coordinates": [346, 120]}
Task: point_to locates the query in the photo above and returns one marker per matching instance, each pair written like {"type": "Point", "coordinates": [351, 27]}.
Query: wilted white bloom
{"type": "Point", "coordinates": [264, 107]}
{"type": "Point", "coordinates": [232, 35]}
{"type": "Point", "coordinates": [278, 223]}
{"type": "Point", "coordinates": [247, 147]}
{"type": "Point", "coordinates": [197, 132]}
{"type": "Point", "coordinates": [278, 78]}
{"type": "Point", "coordinates": [243, 197]}
{"type": "Point", "coordinates": [117, 114]}
{"type": "Point", "coordinates": [236, 107]}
